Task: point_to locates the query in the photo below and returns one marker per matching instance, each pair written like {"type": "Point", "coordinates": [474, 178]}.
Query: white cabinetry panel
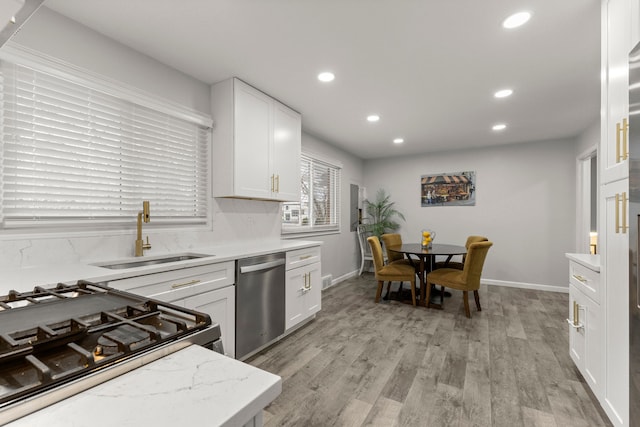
{"type": "Point", "coordinates": [256, 144]}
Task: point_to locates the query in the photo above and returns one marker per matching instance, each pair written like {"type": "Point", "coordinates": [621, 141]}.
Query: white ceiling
{"type": "Point", "coordinates": [429, 68]}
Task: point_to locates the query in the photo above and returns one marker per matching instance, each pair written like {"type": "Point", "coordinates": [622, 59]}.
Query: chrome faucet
{"type": "Point", "coordinates": [143, 215]}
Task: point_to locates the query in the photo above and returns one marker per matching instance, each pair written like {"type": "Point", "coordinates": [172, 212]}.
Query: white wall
{"type": "Point", "coordinates": [52, 34]}
{"type": "Point", "coordinates": [340, 252]}
{"type": "Point", "coordinates": [522, 202]}
{"type": "Point", "coordinates": [525, 204]}
{"type": "Point", "coordinates": [62, 38]}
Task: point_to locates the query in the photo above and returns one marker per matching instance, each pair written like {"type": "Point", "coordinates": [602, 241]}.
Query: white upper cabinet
{"type": "Point", "coordinates": [256, 144]}
{"type": "Point", "coordinates": [616, 44]}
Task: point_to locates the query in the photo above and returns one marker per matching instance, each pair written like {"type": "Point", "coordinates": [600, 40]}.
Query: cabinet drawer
{"type": "Point", "coordinates": [585, 280]}
{"type": "Point", "coordinates": [182, 283]}
{"type": "Point", "coordinates": [301, 257]}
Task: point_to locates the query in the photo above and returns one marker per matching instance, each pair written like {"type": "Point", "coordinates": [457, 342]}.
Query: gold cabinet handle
{"type": "Point", "coordinates": [308, 285]}
{"type": "Point", "coordinates": [622, 153]}
{"type": "Point", "coordinates": [625, 132]}
{"type": "Point", "coordinates": [182, 285]}
{"type": "Point", "coordinates": [580, 278]}
{"type": "Point", "coordinates": [277, 183]}
{"type": "Point", "coordinates": [575, 323]}
{"type": "Point", "coordinates": [305, 257]}
{"type": "Point", "coordinates": [272, 182]}
{"type": "Point", "coordinates": [617, 213]}
{"type": "Point", "coordinates": [625, 224]}
{"type": "Point", "coordinates": [621, 199]}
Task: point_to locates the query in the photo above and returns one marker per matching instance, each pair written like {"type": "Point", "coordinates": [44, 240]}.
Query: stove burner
{"type": "Point", "coordinates": [122, 339]}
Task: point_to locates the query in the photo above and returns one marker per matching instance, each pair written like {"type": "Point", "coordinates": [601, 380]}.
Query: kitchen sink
{"type": "Point", "coordinates": [121, 265]}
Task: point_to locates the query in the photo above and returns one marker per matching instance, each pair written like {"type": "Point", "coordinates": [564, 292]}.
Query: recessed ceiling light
{"type": "Point", "coordinates": [516, 20]}
{"type": "Point", "coordinates": [398, 141]}
{"type": "Point", "coordinates": [326, 76]}
{"type": "Point", "coordinates": [373, 118]}
{"type": "Point", "coordinates": [503, 93]}
{"type": "Point", "coordinates": [500, 126]}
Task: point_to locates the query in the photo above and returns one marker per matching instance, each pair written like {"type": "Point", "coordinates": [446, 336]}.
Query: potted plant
{"type": "Point", "coordinates": [381, 214]}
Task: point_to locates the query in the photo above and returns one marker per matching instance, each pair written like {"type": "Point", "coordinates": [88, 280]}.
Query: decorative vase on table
{"type": "Point", "coordinates": [427, 237]}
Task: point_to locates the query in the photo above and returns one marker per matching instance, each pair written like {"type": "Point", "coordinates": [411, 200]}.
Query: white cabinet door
{"type": "Point", "coordinates": [616, 44]}
{"type": "Point", "coordinates": [221, 306]}
{"type": "Point", "coordinates": [615, 268]}
{"type": "Point", "coordinates": [252, 131]}
{"type": "Point", "coordinates": [285, 158]}
{"type": "Point", "coordinates": [585, 340]}
{"type": "Point", "coordinates": [303, 294]}
{"type": "Point", "coordinates": [256, 144]}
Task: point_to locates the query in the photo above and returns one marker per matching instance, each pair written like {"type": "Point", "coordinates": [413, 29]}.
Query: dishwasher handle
{"type": "Point", "coordinates": [262, 266]}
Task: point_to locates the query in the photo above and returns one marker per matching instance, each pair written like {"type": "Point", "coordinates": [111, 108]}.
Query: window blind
{"type": "Point", "coordinates": [70, 152]}
{"type": "Point", "coordinates": [319, 207]}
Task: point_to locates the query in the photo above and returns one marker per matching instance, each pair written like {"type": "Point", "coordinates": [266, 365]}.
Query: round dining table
{"type": "Point", "coordinates": [426, 259]}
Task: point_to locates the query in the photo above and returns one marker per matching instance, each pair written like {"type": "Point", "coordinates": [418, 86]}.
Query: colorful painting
{"type": "Point", "coordinates": [448, 189]}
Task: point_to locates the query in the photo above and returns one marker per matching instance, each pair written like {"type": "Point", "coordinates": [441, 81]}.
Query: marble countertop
{"type": "Point", "coordinates": [26, 278]}
{"type": "Point", "coordinates": [193, 386]}
{"type": "Point", "coordinates": [592, 262]}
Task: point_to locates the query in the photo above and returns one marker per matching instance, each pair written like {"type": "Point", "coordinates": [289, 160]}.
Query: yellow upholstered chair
{"type": "Point", "coordinates": [390, 272]}
{"type": "Point", "coordinates": [465, 280]}
{"type": "Point", "coordinates": [394, 239]}
{"type": "Point", "coordinates": [456, 264]}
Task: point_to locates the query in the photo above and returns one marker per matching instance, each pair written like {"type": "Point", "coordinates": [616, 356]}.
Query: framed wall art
{"type": "Point", "coordinates": [448, 189]}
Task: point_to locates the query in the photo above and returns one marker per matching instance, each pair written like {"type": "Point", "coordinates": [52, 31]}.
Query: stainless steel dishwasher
{"type": "Point", "coordinates": [259, 302]}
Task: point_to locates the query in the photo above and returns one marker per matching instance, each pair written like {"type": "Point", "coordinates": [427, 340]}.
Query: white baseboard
{"type": "Point", "coordinates": [533, 286]}
{"type": "Point", "coordinates": [490, 282]}
{"type": "Point", "coordinates": [342, 278]}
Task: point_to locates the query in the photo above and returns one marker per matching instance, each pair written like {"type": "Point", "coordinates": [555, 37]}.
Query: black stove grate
{"type": "Point", "coordinates": [50, 336]}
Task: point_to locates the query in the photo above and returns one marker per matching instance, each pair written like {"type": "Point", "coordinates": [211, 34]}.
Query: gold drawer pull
{"type": "Point", "coordinates": [305, 257]}
{"type": "Point", "coordinates": [182, 285]}
{"type": "Point", "coordinates": [580, 278]}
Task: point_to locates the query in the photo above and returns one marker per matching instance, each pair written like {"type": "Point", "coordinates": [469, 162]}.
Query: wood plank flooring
{"type": "Point", "coordinates": [390, 364]}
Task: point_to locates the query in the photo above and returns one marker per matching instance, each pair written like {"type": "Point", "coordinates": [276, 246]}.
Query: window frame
{"type": "Point", "coordinates": [293, 230]}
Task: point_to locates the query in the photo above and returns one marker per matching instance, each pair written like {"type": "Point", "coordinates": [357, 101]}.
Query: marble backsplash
{"type": "Point", "coordinates": [233, 220]}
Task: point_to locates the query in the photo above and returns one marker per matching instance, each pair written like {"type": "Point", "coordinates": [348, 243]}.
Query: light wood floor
{"type": "Point", "coordinates": [360, 363]}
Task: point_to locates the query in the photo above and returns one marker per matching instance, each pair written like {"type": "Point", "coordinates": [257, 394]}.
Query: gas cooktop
{"type": "Point", "coordinates": [54, 337]}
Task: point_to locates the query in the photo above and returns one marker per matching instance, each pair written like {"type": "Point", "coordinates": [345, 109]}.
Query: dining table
{"type": "Point", "coordinates": [426, 258]}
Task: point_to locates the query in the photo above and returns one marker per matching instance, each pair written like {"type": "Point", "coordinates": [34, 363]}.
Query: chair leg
{"type": "Point", "coordinates": [427, 298]}
{"type": "Point", "coordinates": [361, 267]}
{"type": "Point", "coordinates": [477, 297]}
{"type": "Point", "coordinates": [465, 296]}
{"type": "Point", "coordinates": [413, 292]}
{"type": "Point", "coordinates": [379, 290]}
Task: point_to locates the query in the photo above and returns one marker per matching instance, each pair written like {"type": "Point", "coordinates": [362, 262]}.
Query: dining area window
{"type": "Point", "coordinates": [319, 206]}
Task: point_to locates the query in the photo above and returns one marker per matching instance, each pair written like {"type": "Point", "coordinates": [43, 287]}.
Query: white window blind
{"type": "Point", "coordinates": [319, 207]}
{"type": "Point", "coordinates": [76, 154]}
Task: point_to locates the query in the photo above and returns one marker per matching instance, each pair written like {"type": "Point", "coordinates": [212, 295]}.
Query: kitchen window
{"type": "Point", "coordinates": [77, 151]}
{"type": "Point", "coordinates": [319, 207]}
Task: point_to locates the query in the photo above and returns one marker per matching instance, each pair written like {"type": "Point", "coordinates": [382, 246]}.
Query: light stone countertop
{"type": "Point", "coordinates": [592, 262]}
{"type": "Point", "coordinates": [26, 278]}
{"type": "Point", "coordinates": [191, 387]}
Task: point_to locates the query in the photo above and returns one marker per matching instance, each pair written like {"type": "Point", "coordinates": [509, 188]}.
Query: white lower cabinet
{"type": "Point", "coordinates": [221, 306]}
{"type": "Point", "coordinates": [303, 282]}
{"type": "Point", "coordinates": [206, 288]}
{"type": "Point", "coordinates": [585, 338]}
{"type": "Point", "coordinates": [303, 294]}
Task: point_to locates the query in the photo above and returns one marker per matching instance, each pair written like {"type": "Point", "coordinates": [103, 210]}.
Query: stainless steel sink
{"type": "Point", "coordinates": [151, 261]}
